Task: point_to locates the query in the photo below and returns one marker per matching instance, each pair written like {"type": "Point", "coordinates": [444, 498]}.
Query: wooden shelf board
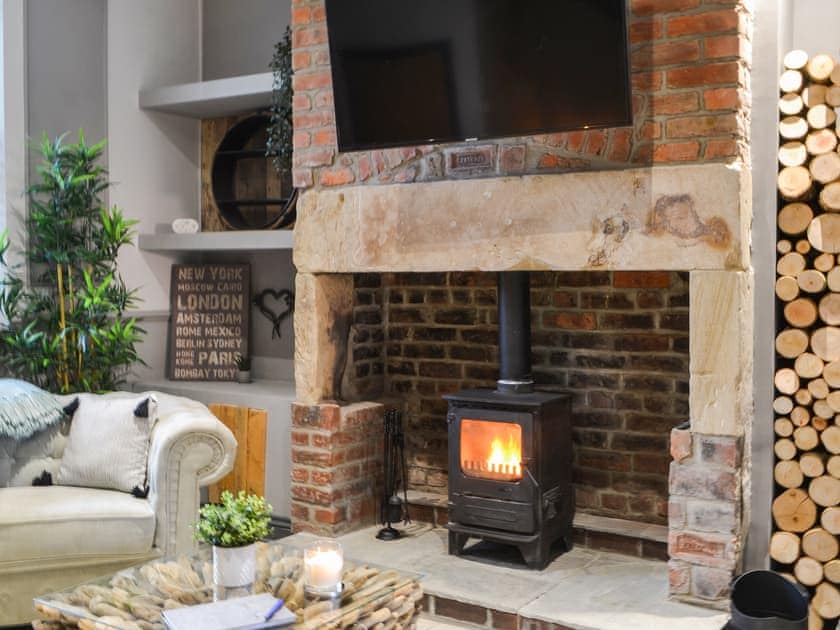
{"type": "Point", "coordinates": [211, 99]}
{"type": "Point", "coordinates": [234, 241]}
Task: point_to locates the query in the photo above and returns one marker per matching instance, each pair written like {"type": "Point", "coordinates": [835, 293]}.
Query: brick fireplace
{"type": "Point", "coordinates": [638, 243]}
{"type": "Point", "coordinates": [617, 340]}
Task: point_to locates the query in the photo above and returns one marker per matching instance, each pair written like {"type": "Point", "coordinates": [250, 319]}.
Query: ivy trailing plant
{"type": "Point", "coordinates": [237, 521]}
{"type": "Point", "coordinates": [279, 143]}
{"type": "Point", "coordinates": [67, 329]}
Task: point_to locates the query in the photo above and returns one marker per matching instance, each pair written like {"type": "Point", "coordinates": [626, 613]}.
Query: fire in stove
{"type": "Point", "coordinates": [510, 448]}
{"type": "Point", "coordinates": [491, 450]}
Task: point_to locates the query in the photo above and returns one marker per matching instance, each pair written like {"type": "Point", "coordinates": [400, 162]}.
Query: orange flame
{"type": "Point", "coordinates": [505, 458]}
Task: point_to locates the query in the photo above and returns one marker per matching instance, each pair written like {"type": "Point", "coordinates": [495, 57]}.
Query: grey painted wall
{"type": "Point", "coordinates": [238, 37]}
{"type": "Point", "coordinates": [814, 26]}
{"type": "Point", "coordinates": [269, 270]}
{"type": "Point", "coordinates": [14, 120]}
{"type": "Point", "coordinates": [2, 129]}
{"type": "Point", "coordinates": [66, 57]}
{"type": "Point", "coordinates": [154, 157]}
{"type": "Point", "coordinates": [770, 22]}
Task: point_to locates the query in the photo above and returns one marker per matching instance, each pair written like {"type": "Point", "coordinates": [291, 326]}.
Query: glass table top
{"type": "Point", "coordinates": [133, 598]}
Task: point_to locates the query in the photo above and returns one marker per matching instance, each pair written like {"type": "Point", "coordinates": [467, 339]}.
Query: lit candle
{"type": "Point", "coordinates": [323, 562]}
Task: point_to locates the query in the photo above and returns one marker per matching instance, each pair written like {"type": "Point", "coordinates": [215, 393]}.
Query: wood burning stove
{"type": "Point", "coordinates": [510, 449]}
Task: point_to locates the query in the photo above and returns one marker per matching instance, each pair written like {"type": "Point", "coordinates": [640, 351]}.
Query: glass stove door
{"type": "Point", "coordinates": [491, 449]}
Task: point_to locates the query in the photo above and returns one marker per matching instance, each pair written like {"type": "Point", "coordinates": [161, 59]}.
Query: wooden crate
{"type": "Point", "coordinates": [249, 428]}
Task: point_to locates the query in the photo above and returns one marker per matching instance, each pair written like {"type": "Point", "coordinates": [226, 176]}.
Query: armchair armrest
{"type": "Point", "coordinates": [190, 448]}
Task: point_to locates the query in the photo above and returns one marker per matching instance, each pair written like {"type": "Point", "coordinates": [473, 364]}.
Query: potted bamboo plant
{"type": "Point", "coordinates": [64, 318]}
{"type": "Point", "coordinates": [232, 527]}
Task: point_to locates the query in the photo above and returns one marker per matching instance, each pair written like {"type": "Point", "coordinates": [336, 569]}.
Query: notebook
{"type": "Point", "coordinates": [242, 613]}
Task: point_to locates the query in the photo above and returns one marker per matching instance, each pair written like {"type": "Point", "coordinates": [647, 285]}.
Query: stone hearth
{"type": "Point", "coordinates": [582, 590]}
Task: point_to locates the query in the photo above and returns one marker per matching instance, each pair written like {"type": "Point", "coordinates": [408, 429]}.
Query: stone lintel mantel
{"type": "Point", "coordinates": [683, 218]}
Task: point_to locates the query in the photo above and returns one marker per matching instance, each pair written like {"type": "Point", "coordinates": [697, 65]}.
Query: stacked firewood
{"type": "Point", "coordinates": [806, 509]}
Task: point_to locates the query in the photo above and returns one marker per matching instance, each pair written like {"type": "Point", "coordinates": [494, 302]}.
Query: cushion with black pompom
{"type": "Point", "coordinates": [108, 445]}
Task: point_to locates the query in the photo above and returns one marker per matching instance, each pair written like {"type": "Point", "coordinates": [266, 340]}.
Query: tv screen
{"type": "Point", "coordinates": [411, 72]}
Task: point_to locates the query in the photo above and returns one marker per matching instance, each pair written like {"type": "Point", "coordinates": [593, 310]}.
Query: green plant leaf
{"type": "Point", "coordinates": [69, 225]}
{"type": "Point", "coordinates": [236, 521]}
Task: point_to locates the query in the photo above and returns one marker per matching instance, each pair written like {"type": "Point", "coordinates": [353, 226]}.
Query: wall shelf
{"type": "Point", "coordinates": [211, 99]}
{"type": "Point", "coordinates": [238, 241]}
{"type": "Point", "coordinates": [259, 392]}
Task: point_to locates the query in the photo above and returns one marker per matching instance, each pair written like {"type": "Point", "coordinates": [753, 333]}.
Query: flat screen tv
{"type": "Point", "coordinates": [409, 72]}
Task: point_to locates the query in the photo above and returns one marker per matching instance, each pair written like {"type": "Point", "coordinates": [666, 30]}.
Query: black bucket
{"type": "Point", "coordinates": [764, 600]}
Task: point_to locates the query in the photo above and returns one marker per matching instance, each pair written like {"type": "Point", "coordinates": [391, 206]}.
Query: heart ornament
{"type": "Point", "coordinates": [275, 306]}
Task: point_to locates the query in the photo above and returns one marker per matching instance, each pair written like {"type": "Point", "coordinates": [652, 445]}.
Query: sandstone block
{"type": "Point", "coordinates": [663, 218]}
{"type": "Point", "coordinates": [721, 352]}
{"type": "Point", "coordinates": [323, 314]}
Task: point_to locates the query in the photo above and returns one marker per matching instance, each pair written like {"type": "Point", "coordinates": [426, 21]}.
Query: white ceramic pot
{"type": "Point", "coordinates": [234, 566]}
{"type": "Point", "coordinates": [243, 376]}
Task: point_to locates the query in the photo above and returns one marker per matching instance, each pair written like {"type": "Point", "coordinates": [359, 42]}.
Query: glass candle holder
{"type": "Point", "coordinates": [323, 564]}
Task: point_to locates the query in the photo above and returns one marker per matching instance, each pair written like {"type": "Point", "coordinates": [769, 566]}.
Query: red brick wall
{"type": "Point", "coordinates": [365, 372]}
{"type": "Point", "coordinates": [617, 341]}
{"type": "Point", "coordinates": [336, 466]}
{"type": "Point", "coordinates": [689, 62]}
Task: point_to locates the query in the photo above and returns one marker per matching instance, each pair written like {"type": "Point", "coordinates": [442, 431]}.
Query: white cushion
{"type": "Point", "coordinates": [52, 522]}
{"type": "Point", "coordinates": [40, 453]}
{"type": "Point", "coordinates": [108, 446]}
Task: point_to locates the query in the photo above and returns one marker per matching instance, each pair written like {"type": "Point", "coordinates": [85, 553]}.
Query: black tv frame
{"type": "Point", "coordinates": [344, 148]}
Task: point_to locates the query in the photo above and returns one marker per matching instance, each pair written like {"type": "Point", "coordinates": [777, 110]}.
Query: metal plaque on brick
{"type": "Point", "coordinates": [208, 325]}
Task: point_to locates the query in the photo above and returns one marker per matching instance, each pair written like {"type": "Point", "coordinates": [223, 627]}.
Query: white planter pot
{"type": "Point", "coordinates": [234, 566]}
{"type": "Point", "coordinates": [243, 376]}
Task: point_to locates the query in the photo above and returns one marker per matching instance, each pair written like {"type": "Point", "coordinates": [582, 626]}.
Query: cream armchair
{"type": "Point", "coordinates": [55, 536]}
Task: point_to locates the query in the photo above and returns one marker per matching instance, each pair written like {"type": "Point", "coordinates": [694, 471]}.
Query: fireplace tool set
{"type": "Point", "coordinates": [393, 509]}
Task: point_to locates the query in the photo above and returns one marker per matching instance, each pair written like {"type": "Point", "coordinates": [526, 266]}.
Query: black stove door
{"type": "Point", "coordinates": [473, 473]}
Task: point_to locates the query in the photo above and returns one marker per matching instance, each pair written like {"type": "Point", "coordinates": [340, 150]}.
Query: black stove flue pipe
{"type": "Point", "coordinates": [514, 299]}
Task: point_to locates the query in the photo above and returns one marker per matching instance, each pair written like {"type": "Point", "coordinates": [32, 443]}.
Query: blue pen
{"type": "Point", "coordinates": [277, 606]}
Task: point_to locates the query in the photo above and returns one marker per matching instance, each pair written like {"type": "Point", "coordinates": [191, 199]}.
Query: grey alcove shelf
{"type": "Point", "coordinates": [234, 241]}
{"type": "Point", "coordinates": [211, 99]}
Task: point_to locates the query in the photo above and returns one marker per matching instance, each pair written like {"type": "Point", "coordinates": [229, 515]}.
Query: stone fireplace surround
{"type": "Point", "coordinates": [691, 218]}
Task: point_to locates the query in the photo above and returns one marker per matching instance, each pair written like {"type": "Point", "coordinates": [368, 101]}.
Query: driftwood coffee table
{"type": "Point", "coordinates": [132, 599]}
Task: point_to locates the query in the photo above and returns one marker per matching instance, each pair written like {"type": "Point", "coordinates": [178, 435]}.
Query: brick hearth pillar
{"type": "Point", "coordinates": [336, 462]}
{"type": "Point", "coordinates": [336, 449]}
{"type": "Point", "coordinates": [706, 516]}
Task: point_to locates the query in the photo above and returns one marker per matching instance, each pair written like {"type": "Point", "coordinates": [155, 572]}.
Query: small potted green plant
{"type": "Point", "coordinates": [232, 527]}
{"type": "Point", "coordinates": [243, 364]}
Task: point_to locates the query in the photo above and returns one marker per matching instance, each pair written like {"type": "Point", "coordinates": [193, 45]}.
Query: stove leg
{"type": "Point", "coordinates": [537, 554]}
{"type": "Point", "coordinates": [568, 543]}
{"type": "Point", "coordinates": [457, 541]}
